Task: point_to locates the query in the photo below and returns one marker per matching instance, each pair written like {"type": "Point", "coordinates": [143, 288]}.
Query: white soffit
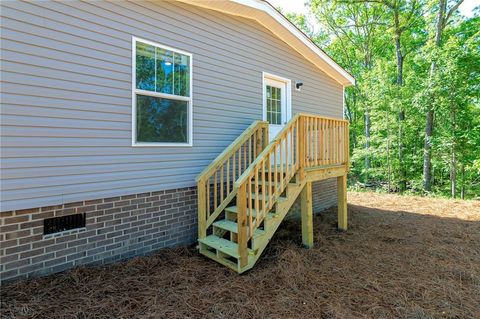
{"type": "Point", "coordinates": [269, 17]}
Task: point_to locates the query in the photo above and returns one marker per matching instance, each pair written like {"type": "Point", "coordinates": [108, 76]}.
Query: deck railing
{"type": "Point", "coordinates": [325, 140]}
{"type": "Point", "coordinates": [215, 184]}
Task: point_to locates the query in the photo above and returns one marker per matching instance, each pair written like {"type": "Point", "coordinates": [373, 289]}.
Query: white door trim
{"type": "Point", "coordinates": [288, 82]}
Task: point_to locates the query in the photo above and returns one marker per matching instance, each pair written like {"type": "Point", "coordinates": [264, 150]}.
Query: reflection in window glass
{"type": "Point", "coordinates": [164, 71]}
{"type": "Point", "coordinates": [161, 120]}
{"type": "Point", "coordinates": [182, 75]}
{"type": "Point", "coordinates": [145, 67]}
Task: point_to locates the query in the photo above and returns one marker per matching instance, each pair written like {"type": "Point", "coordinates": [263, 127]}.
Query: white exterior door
{"type": "Point", "coordinates": [276, 103]}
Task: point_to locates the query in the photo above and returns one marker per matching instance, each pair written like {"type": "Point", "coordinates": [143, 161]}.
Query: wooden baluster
{"type": "Point", "coordinates": [297, 144]}
{"type": "Point", "coordinates": [249, 206]}
{"type": "Point", "coordinates": [281, 166]}
{"type": "Point", "coordinates": [215, 191]}
{"type": "Point", "coordinates": [337, 133]}
{"type": "Point", "coordinates": [275, 169]}
{"type": "Point", "coordinates": [245, 165]}
{"type": "Point", "coordinates": [307, 142]}
{"type": "Point", "coordinates": [340, 142]}
{"type": "Point", "coordinates": [329, 141]}
{"type": "Point", "coordinates": [312, 144]}
{"type": "Point", "coordinates": [301, 143]}
{"type": "Point", "coordinates": [270, 181]}
{"type": "Point", "coordinates": [221, 183]}
{"type": "Point", "coordinates": [320, 141]}
{"type": "Point", "coordinates": [333, 142]}
{"type": "Point", "coordinates": [286, 155]}
{"type": "Point", "coordinates": [239, 161]}
{"type": "Point", "coordinates": [257, 202]}
{"type": "Point", "coordinates": [228, 176]}
{"type": "Point", "coordinates": [309, 128]}
{"type": "Point", "coordinates": [250, 151]}
{"type": "Point", "coordinates": [254, 136]}
{"type": "Point", "coordinates": [208, 196]}
{"type": "Point", "coordinates": [234, 169]}
{"type": "Point", "coordinates": [264, 188]}
{"type": "Point", "coordinates": [337, 143]}
{"type": "Point", "coordinates": [329, 137]}
{"type": "Point", "coordinates": [292, 148]}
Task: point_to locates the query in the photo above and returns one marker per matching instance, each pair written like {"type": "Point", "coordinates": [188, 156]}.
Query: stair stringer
{"type": "Point", "coordinates": [281, 210]}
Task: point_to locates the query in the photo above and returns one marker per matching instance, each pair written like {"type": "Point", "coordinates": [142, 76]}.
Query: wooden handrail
{"type": "Point", "coordinates": [214, 184]}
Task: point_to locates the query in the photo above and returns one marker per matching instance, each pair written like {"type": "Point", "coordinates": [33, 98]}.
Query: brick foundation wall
{"type": "Point", "coordinates": [116, 228]}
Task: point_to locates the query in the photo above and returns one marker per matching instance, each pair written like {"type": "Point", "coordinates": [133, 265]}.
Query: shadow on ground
{"type": "Point", "coordinates": [389, 264]}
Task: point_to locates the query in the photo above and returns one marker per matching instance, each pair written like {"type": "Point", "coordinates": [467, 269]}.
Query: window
{"type": "Point", "coordinates": [162, 101]}
{"type": "Point", "coordinates": [274, 105]}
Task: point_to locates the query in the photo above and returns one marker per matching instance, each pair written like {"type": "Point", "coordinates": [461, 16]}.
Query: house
{"type": "Point", "coordinates": [112, 110]}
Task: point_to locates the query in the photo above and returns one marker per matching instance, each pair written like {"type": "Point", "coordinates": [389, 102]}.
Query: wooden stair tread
{"type": "Point", "coordinates": [225, 246]}
{"type": "Point", "coordinates": [260, 197]}
{"type": "Point", "coordinates": [233, 227]}
{"type": "Point", "coordinates": [268, 183]}
{"type": "Point", "coordinates": [234, 209]}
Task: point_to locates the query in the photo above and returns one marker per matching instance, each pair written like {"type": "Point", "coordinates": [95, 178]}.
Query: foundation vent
{"type": "Point", "coordinates": [63, 223]}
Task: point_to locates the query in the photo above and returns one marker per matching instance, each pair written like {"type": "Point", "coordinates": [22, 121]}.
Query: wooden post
{"type": "Point", "coordinates": [242, 225]}
{"type": "Point", "coordinates": [342, 202]}
{"type": "Point", "coordinates": [265, 137]}
{"type": "Point", "coordinates": [307, 215]}
{"type": "Point", "coordinates": [202, 209]}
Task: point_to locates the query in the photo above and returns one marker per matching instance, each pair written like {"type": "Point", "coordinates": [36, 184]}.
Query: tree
{"type": "Point", "coordinates": [443, 16]}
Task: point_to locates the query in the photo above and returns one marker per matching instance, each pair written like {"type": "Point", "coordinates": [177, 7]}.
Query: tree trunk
{"type": "Point", "coordinates": [389, 187]}
{"type": "Point", "coordinates": [401, 113]}
{"type": "Point", "coordinates": [463, 182]}
{"type": "Point", "coordinates": [427, 152]}
{"type": "Point", "coordinates": [453, 174]}
{"type": "Point", "coordinates": [367, 143]}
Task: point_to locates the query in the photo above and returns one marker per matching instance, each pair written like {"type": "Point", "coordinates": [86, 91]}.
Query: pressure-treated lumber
{"type": "Point", "coordinates": [271, 176]}
{"type": "Point", "coordinates": [342, 202]}
{"type": "Point", "coordinates": [307, 215]}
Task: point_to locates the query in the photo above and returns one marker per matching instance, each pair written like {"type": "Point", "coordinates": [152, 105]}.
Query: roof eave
{"type": "Point", "coordinates": [278, 24]}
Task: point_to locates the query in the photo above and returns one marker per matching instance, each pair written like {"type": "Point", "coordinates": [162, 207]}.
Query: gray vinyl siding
{"type": "Point", "coordinates": [66, 95]}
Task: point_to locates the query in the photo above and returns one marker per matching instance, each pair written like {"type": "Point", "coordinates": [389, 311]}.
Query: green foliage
{"type": "Point", "coordinates": [389, 47]}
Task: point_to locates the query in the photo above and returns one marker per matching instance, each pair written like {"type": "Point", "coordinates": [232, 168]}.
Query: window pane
{"type": "Point", "coordinates": [182, 74]}
{"type": "Point", "coordinates": [274, 115]}
{"type": "Point", "coordinates": [145, 66]}
{"type": "Point", "coordinates": [161, 120]}
{"type": "Point", "coordinates": [164, 71]}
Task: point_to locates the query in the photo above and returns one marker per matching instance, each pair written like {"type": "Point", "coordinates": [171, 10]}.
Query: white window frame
{"type": "Point", "coordinates": [136, 91]}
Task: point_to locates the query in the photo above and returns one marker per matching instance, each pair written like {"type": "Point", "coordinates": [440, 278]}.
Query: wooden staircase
{"type": "Point", "coordinates": [247, 191]}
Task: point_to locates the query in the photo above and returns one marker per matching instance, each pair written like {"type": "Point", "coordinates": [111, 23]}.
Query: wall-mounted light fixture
{"type": "Point", "coordinates": [298, 85]}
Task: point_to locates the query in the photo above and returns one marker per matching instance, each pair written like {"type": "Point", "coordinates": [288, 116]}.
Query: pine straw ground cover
{"type": "Point", "coordinates": [403, 257]}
